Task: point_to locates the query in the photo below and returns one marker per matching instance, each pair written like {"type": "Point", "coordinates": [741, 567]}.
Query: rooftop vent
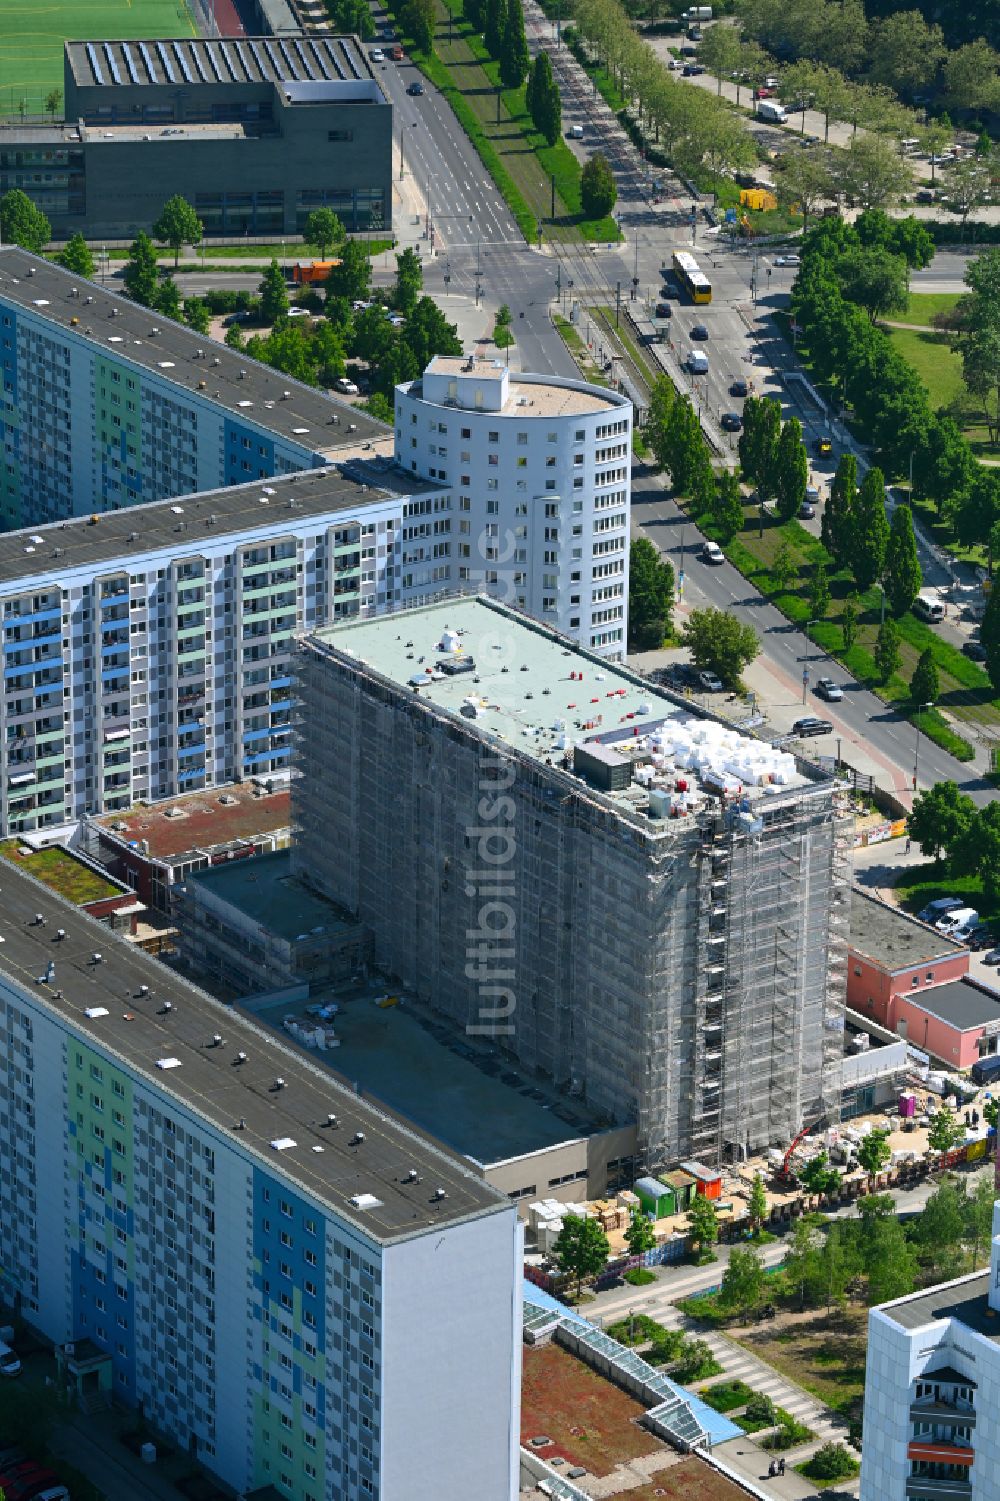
{"type": "Point", "coordinates": [38, 921]}
{"type": "Point", "coordinates": [60, 934]}
{"type": "Point", "coordinates": [282, 1143]}
{"type": "Point", "coordinates": [279, 1083]}
{"type": "Point", "coordinates": [438, 1195]}
{"type": "Point", "coordinates": [153, 332]}
{"type": "Point", "coordinates": [412, 1176]}
{"type": "Point", "coordinates": [217, 1041]}
{"type": "Point", "coordinates": [366, 1201]}
{"type": "Point", "coordinates": [332, 1121]}
{"type": "Point", "coordinates": [96, 958]}
{"type": "Point", "coordinates": [357, 1138]}
{"type": "Point", "coordinates": [143, 990]}
{"type": "Point", "coordinates": [166, 1008]}
{"type": "Point", "coordinates": [241, 1057]}
{"type": "Point", "coordinates": [93, 1012]}
{"type": "Point", "coordinates": [166, 1063]}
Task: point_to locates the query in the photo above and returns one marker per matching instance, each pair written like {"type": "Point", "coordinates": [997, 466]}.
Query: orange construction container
{"type": "Point", "coordinates": [306, 272]}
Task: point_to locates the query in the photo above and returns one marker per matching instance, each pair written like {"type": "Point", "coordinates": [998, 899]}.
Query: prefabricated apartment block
{"type": "Point", "coordinates": [304, 1294]}
{"type": "Point", "coordinates": [643, 905]}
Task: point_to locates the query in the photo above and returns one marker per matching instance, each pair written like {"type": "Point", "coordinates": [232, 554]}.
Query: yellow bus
{"type": "Point", "coordinates": [694, 281]}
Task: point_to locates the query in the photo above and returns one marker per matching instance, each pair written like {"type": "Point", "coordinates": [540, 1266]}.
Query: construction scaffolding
{"type": "Point", "coordinates": [683, 973]}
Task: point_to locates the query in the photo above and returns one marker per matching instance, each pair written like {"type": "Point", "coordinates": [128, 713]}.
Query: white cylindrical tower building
{"type": "Point", "coordinates": [540, 469]}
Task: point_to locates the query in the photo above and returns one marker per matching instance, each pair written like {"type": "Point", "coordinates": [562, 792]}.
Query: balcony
{"type": "Point", "coordinates": [921, 1486]}
{"type": "Point", "coordinates": [942, 1412]}
{"type": "Point", "coordinates": [939, 1451]}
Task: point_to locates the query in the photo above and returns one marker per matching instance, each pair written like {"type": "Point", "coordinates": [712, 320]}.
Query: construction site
{"type": "Point", "coordinates": [633, 900]}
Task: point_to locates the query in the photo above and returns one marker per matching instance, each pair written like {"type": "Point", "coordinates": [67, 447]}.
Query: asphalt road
{"type": "Point", "coordinates": [657, 516]}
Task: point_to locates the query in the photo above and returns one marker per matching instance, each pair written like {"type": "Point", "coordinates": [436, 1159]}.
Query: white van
{"type": "Point", "coordinates": [774, 114]}
{"type": "Point", "coordinates": [697, 362]}
{"type": "Point", "coordinates": [575, 133]}
{"type": "Point", "coordinates": [957, 921]}
{"type": "Point", "coordinates": [926, 607]}
{"type": "Point", "coordinates": [10, 1363]}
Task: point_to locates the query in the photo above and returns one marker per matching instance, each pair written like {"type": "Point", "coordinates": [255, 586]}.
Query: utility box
{"type": "Point", "coordinates": [603, 767]}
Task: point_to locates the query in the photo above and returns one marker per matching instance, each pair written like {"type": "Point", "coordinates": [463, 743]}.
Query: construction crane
{"type": "Point", "coordinates": [783, 1175]}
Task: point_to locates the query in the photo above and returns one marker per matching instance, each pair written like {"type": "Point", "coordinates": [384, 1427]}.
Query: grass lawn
{"type": "Point", "coordinates": [32, 33]}
{"type": "Point", "coordinates": [68, 877]}
{"type": "Point", "coordinates": [966, 694]}
{"type": "Point", "coordinates": [924, 306]}
{"type": "Point", "coordinates": [925, 883]}
{"type": "Point", "coordinates": [578, 349]}
{"type": "Point", "coordinates": [934, 360]}
{"type": "Point", "coordinates": [823, 1353]}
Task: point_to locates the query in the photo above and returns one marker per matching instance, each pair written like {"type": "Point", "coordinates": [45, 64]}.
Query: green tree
{"type": "Point", "coordinates": [925, 687]}
{"type": "Point", "coordinates": [801, 1261]}
{"type": "Point", "coordinates": [887, 653]}
{"type": "Point", "coordinates": [819, 593]}
{"type": "Point", "coordinates": [941, 1226]}
{"type": "Point", "coordinates": [657, 429]}
{"type": "Point", "coordinates": [836, 1266]}
{"type": "Point", "coordinates": [273, 295]}
{"type": "Point", "coordinates": [75, 256]}
{"type": "Point", "coordinates": [328, 352]}
{"type": "Point", "coordinates": [496, 25]}
{"type": "Point", "coordinates": [972, 76]}
{"type": "Point", "coordinates": [902, 564]}
{"type": "Point", "coordinates": [196, 314]}
{"type": "Point", "coordinates": [417, 17]}
{"type": "Point", "coordinates": [838, 513]}
{"type": "Point", "coordinates": [21, 223]}
{"type": "Point", "coordinates": [833, 1462]}
{"type": "Point", "coordinates": [684, 444]}
{"type": "Point", "coordinates": [53, 102]}
{"type": "Point", "coordinates": [979, 850]}
{"type": "Point", "coordinates": [874, 1153]}
{"type": "Point", "coordinates": [703, 1223]}
{"type": "Point", "coordinates": [544, 100]}
{"type": "Point", "coordinates": [945, 1132]}
{"type": "Point", "coordinates": [727, 506]}
{"type": "Point", "coordinates": [378, 406]}
{"type": "Point", "coordinates": [695, 1361]}
{"type": "Point", "coordinates": [876, 280]}
{"type": "Point", "coordinates": [178, 225]}
{"type": "Point", "coordinates": [581, 1249]}
{"type": "Point", "coordinates": [352, 278]}
{"type": "Point", "coordinates": [905, 52]}
{"type": "Point", "coordinates": [806, 179]}
{"type": "Point", "coordinates": [409, 280]}
{"type": "Point", "coordinates": [784, 569]}
{"type": "Point", "coordinates": [721, 642]}
{"type": "Point", "coordinates": [742, 1281]}
{"type": "Point", "coordinates": [234, 337]}
{"type": "Point", "coordinates": [324, 229]}
{"type": "Point", "coordinates": [791, 470]}
{"type": "Point", "coordinates": [757, 1206]}
{"type": "Point", "coordinates": [650, 596]}
{"type": "Point", "coordinates": [890, 1262]}
{"type": "Point", "coordinates": [640, 1235]}
{"type": "Point", "coordinates": [168, 299]}
{"type": "Point", "coordinates": [940, 819]}
{"type": "Point", "coordinates": [872, 173]}
{"type": "Point", "coordinates": [758, 444]}
{"type": "Point", "coordinates": [849, 623]}
{"type": "Point", "coordinates": [598, 193]}
{"type": "Point", "coordinates": [869, 531]}
{"type": "Point", "coordinates": [719, 52]}
{"type": "Point", "coordinates": [977, 1210]}
{"type": "Point", "coordinates": [141, 275]}
{"type": "Point", "coordinates": [989, 635]}
{"type": "Point", "coordinates": [818, 1177]}
{"type": "Point", "coordinates": [514, 57]}
{"type": "Point", "coordinates": [978, 316]}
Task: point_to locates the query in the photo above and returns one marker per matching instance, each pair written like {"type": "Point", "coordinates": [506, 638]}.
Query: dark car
{"type": "Point", "coordinates": [974, 650]}
{"type": "Point", "coordinates": [925, 195]}
{"type": "Point", "coordinates": [670, 289]}
{"type": "Point", "coordinates": [980, 937]}
{"type": "Point", "coordinates": [810, 725]}
{"type": "Point", "coordinates": [823, 445]}
{"type": "Point", "coordinates": [694, 34]}
{"type": "Point", "coordinates": [699, 332]}
{"type": "Point", "coordinates": [664, 310]}
{"type": "Point", "coordinates": [691, 70]}
{"type": "Point", "coordinates": [689, 52]}
{"type": "Point", "coordinates": [416, 87]}
{"type": "Point", "coordinates": [739, 388]}
{"type": "Point", "coordinates": [732, 422]}
{"type": "Point", "coordinates": [807, 511]}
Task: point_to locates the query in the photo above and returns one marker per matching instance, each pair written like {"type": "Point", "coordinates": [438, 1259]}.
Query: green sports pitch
{"type": "Point", "coordinates": [32, 33]}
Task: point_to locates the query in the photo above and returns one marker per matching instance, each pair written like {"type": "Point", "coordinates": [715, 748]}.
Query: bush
{"type": "Point", "coordinates": [831, 1462]}
{"type": "Point", "coordinates": [761, 1409]}
{"type": "Point", "coordinates": [695, 1361]}
{"type": "Point", "coordinates": [640, 1276]}
{"type": "Point", "coordinates": [727, 1395]}
{"type": "Point", "coordinates": [637, 1330]}
{"type": "Point", "coordinates": [788, 1434]}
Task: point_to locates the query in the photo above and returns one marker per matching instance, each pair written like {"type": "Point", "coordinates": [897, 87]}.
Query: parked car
{"type": "Point", "coordinates": [699, 332]}
{"type": "Point", "coordinates": [731, 422]}
{"type": "Point", "coordinates": [812, 494]}
{"type": "Point", "coordinates": [711, 552]}
{"type": "Point", "coordinates": [345, 387]}
{"type": "Point", "coordinates": [925, 195]}
{"type": "Point", "coordinates": [575, 133]}
{"type": "Point", "coordinates": [416, 87]}
{"type": "Point", "coordinates": [979, 937]}
{"type": "Point", "coordinates": [708, 682]}
{"type": "Point", "coordinates": [958, 920]}
{"type": "Point", "coordinates": [937, 909]}
{"type": "Point", "coordinates": [993, 957]}
{"type": "Point", "coordinates": [739, 388]}
{"type": "Point", "coordinates": [810, 725]}
{"type": "Point", "coordinates": [376, 55]}
{"type": "Point", "coordinates": [241, 317]}
{"type": "Point", "coordinates": [974, 650]}
{"type": "Point", "coordinates": [788, 260]}
{"type": "Point", "coordinates": [828, 689]}
{"type": "Point", "coordinates": [823, 445]}
{"type": "Point", "coordinates": [807, 511]}
{"type": "Point", "coordinates": [691, 70]}
{"type": "Point", "coordinates": [299, 312]}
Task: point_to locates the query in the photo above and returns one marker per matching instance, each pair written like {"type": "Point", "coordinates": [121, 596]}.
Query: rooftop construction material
{"type": "Point", "coordinates": [632, 898]}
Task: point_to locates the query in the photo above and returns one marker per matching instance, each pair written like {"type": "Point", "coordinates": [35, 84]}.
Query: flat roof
{"type": "Point", "coordinates": [265, 890]}
{"type": "Point", "coordinates": [964, 1300]}
{"type": "Point", "coordinates": [541, 693]}
{"type": "Point", "coordinates": [273, 401]}
{"type": "Point", "coordinates": [891, 937]}
{"type": "Point", "coordinates": [212, 1083]}
{"type": "Point", "coordinates": [220, 131]}
{"type": "Point", "coordinates": [208, 820]}
{"type": "Point", "coordinates": [184, 523]}
{"type": "Point", "coordinates": [527, 395]}
{"type": "Point", "coordinates": [190, 60]}
{"type": "Point", "coordinates": [461, 1091]}
{"type": "Point", "coordinates": [63, 871]}
{"type": "Point", "coordinates": [960, 1003]}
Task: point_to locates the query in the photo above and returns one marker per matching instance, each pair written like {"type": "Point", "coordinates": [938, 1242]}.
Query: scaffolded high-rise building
{"type": "Point", "coordinates": [632, 898]}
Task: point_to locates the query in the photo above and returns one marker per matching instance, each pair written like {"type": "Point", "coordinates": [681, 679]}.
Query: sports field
{"type": "Point", "coordinates": [32, 33]}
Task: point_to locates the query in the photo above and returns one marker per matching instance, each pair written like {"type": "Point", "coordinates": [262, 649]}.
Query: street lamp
{"type": "Point", "coordinates": [916, 747]}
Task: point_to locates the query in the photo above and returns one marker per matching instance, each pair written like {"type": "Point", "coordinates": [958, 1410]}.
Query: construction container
{"type": "Point", "coordinates": [907, 1105]}
{"type": "Point", "coordinates": [707, 1180]}
{"type": "Point", "coordinates": [656, 1198]}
